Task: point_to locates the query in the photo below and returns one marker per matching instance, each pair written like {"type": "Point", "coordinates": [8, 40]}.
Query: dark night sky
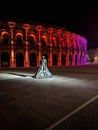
{"type": "Point", "coordinates": [78, 17]}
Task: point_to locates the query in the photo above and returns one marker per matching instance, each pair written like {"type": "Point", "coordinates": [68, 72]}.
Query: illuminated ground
{"type": "Point", "coordinates": [48, 104]}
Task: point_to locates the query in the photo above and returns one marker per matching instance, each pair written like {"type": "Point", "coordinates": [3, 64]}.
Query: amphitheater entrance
{"type": "Point", "coordinates": [5, 60]}
{"type": "Point", "coordinates": [63, 60]}
{"type": "Point", "coordinates": [19, 60]}
{"type": "Point", "coordinates": [54, 60]}
{"type": "Point", "coordinates": [76, 59]}
{"type": "Point", "coordinates": [70, 59]}
{"type": "Point", "coordinates": [33, 59]}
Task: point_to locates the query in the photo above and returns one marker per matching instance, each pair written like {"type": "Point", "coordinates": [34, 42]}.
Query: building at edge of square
{"type": "Point", "coordinates": [23, 44]}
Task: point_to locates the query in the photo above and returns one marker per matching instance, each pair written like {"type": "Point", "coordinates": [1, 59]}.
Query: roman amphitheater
{"type": "Point", "coordinates": [23, 44]}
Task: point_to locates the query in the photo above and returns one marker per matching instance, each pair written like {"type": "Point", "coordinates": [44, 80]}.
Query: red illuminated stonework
{"type": "Point", "coordinates": [23, 44]}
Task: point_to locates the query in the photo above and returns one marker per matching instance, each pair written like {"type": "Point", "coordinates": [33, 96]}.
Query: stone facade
{"type": "Point", "coordinates": [23, 44]}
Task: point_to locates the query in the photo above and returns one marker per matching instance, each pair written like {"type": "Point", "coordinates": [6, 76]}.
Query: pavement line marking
{"type": "Point", "coordinates": [72, 113]}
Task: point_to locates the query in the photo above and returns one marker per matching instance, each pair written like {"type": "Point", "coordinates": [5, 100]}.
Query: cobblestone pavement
{"type": "Point", "coordinates": [68, 101]}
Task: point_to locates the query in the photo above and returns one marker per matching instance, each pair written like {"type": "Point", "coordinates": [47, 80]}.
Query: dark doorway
{"type": "Point", "coordinates": [33, 59]}
{"type": "Point", "coordinates": [19, 60]}
{"type": "Point", "coordinates": [5, 60]}
{"type": "Point", "coordinates": [54, 58]}
{"type": "Point", "coordinates": [63, 59]}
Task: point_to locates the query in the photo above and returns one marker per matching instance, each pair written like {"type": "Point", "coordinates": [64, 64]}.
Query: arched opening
{"type": "Point", "coordinates": [63, 59]}
{"type": "Point", "coordinates": [76, 59]}
{"type": "Point", "coordinates": [33, 59]}
{"type": "Point", "coordinates": [70, 59]}
{"type": "Point", "coordinates": [5, 40]}
{"type": "Point", "coordinates": [81, 59]}
{"type": "Point", "coordinates": [19, 60]}
{"type": "Point", "coordinates": [54, 58]}
{"type": "Point", "coordinates": [43, 45]}
{"type": "Point", "coordinates": [32, 41]}
{"type": "Point", "coordinates": [19, 41]}
{"type": "Point", "coordinates": [5, 60]}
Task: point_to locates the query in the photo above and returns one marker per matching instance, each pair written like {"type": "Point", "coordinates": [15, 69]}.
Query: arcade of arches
{"type": "Point", "coordinates": [22, 45]}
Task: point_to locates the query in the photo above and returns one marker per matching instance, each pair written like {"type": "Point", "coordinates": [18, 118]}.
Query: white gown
{"type": "Point", "coordinates": [43, 71]}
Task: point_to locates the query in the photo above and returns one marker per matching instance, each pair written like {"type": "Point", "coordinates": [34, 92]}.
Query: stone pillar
{"type": "Point", "coordinates": [67, 58]}
{"type": "Point", "coordinates": [84, 57]}
{"type": "Point", "coordinates": [50, 30]}
{"type": "Point", "coordinates": [67, 35]}
{"type": "Point", "coordinates": [73, 58]}
{"type": "Point", "coordinates": [50, 55]}
{"type": "Point", "coordinates": [85, 50]}
{"type": "Point", "coordinates": [78, 49]}
{"type": "Point", "coordinates": [73, 36]}
{"type": "Point", "coordinates": [59, 56]}
{"type": "Point", "coordinates": [59, 31]}
{"type": "Point", "coordinates": [26, 58]}
{"type": "Point", "coordinates": [39, 56]}
{"type": "Point", "coordinates": [78, 60]}
{"type": "Point", "coordinates": [12, 55]}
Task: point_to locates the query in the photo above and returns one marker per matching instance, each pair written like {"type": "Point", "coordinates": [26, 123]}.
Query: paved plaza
{"type": "Point", "coordinates": [67, 101]}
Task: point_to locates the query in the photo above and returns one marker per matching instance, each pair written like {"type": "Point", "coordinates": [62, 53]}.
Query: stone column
{"type": "Point", "coordinates": [84, 57]}
{"type": "Point", "coordinates": [26, 58]}
{"type": "Point", "coordinates": [73, 36]}
{"type": "Point", "coordinates": [50, 30]}
{"type": "Point", "coordinates": [59, 55]}
{"type": "Point", "coordinates": [85, 50]}
{"type": "Point", "coordinates": [78, 59]}
{"type": "Point", "coordinates": [39, 56]}
{"type": "Point", "coordinates": [78, 50]}
{"type": "Point", "coordinates": [67, 57]}
{"type": "Point", "coordinates": [67, 35]}
{"type": "Point", "coordinates": [73, 58]}
{"type": "Point", "coordinates": [12, 56]}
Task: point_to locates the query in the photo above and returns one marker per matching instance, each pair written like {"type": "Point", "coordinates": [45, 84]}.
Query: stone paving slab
{"type": "Point", "coordinates": [28, 103]}
{"type": "Point", "coordinates": [83, 118]}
